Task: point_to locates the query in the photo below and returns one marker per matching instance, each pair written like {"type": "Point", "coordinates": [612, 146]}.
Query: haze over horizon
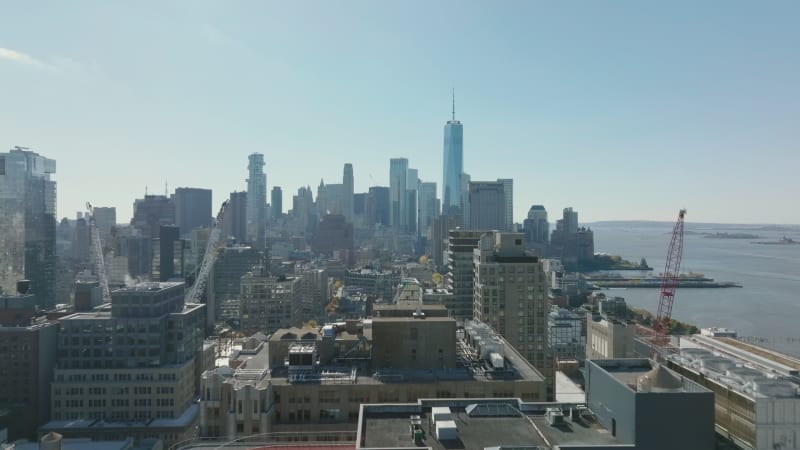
{"type": "Point", "coordinates": [624, 111]}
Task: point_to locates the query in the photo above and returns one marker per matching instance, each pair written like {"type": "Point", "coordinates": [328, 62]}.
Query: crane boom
{"type": "Point", "coordinates": [669, 283]}
{"type": "Point", "coordinates": [97, 254]}
{"type": "Point", "coordinates": [195, 292]}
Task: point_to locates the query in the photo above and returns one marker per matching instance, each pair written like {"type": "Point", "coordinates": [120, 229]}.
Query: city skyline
{"type": "Point", "coordinates": [694, 112]}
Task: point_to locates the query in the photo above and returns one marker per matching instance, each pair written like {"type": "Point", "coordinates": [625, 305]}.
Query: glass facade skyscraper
{"type": "Point", "coordinates": [398, 182]}
{"type": "Point", "coordinates": [453, 163]}
{"type": "Point", "coordinates": [28, 224]}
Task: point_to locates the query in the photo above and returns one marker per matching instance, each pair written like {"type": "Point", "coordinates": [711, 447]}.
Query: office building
{"type": "Point", "coordinates": [150, 212]}
{"type": "Point", "coordinates": [379, 205]}
{"type": "Point", "coordinates": [569, 221]}
{"type": "Point", "coordinates": [508, 196]}
{"type": "Point", "coordinates": [649, 406]}
{"type": "Point", "coordinates": [168, 254]}
{"type": "Point", "coordinates": [453, 164]}
{"type": "Point", "coordinates": [320, 377]}
{"type": "Point", "coordinates": [28, 223]}
{"type": "Point", "coordinates": [28, 352]}
{"type": "Point", "coordinates": [105, 218]}
{"type": "Point", "coordinates": [412, 202]}
{"type": "Point", "coordinates": [224, 281]}
{"type": "Point", "coordinates": [234, 223]}
{"type": "Point", "coordinates": [573, 243]}
{"type": "Point", "coordinates": [535, 226]}
{"type": "Point", "coordinates": [510, 295]}
{"type": "Point", "coordinates": [503, 423]}
{"type": "Point", "coordinates": [609, 336]}
{"type": "Point", "coordinates": [487, 206]}
{"type": "Point", "coordinates": [756, 390]}
{"type": "Point", "coordinates": [130, 369]}
{"type": "Point", "coordinates": [303, 211]}
{"type": "Point", "coordinates": [276, 207]}
{"type": "Point", "coordinates": [398, 179]}
{"type": "Point", "coordinates": [269, 303]}
{"type": "Point", "coordinates": [256, 200]}
{"type": "Point", "coordinates": [380, 283]}
{"type": "Point", "coordinates": [192, 209]}
{"type": "Point", "coordinates": [139, 251]}
{"type": "Point", "coordinates": [428, 208]}
{"type": "Point", "coordinates": [334, 238]}
{"type": "Point", "coordinates": [565, 335]}
{"type": "Point", "coordinates": [359, 208]}
{"type": "Point", "coordinates": [347, 192]}
{"type": "Point", "coordinates": [81, 242]}
{"type": "Point", "coordinates": [315, 286]}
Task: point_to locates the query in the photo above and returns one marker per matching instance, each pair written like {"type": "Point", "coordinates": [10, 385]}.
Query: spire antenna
{"type": "Point", "coordinates": [454, 104]}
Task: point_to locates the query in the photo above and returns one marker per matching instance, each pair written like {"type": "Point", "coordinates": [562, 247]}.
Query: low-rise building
{"type": "Point", "coordinates": [756, 391]}
{"type": "Point", "coordinates": [632, 405]}
{"type": "Point", "coordinates": [608, 338]}
{"type": "Point", "coordinates": [565, 334]}
{"type": "Point", "coordinates": [649, 406]}
{"type": "Point", "coordinates": [319, 377]}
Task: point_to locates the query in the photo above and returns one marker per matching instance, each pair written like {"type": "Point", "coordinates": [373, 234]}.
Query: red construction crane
{"type": "Point", "coordinates": [669, 283]}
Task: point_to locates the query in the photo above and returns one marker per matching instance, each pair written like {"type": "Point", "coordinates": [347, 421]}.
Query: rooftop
{"type": "Point", "coordinates": [188, 417]}
{"type": "Point", "coordinates": [753, 374]}
{"type": "Point", "coordinates": [388, 426]}
{"type": "Point", "coordinates": [150, 286]}
{"type": "Point", "coordinates": [641, 375]}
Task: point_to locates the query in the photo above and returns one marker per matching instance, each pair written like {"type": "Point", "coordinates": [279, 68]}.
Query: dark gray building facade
{"type": "Point", "coordinates": [192, 209]}
{"type": "Point", "coordinates": [649, 406]}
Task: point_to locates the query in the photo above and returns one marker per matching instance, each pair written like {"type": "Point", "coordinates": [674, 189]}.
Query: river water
{"type": "Point", "coordinates": [767, 307]}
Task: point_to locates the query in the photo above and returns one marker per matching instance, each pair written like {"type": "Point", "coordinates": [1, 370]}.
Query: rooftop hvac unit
{"type": "Point", "coordinates": [446, 430]}
{"type": "Point", "coordinates": [554, 416]}
{"type": "Point", "coordinates": [441, 413]}
{"type": "Point", "coordinates": [496, 360]}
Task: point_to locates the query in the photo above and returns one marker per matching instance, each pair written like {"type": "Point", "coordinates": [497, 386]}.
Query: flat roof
{"type": "Point", "coordinates": [391, 430]}
{"type": "Point", "coordinates": [412, 319]}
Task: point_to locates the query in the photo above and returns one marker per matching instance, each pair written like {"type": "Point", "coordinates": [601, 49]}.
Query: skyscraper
{"type": "Point", "coordinates": [412, 205]}
{"type": "Point", "coordinates": [398, 178]}
{"type": "Point", "coordinates": [192, 209]}
{"type": "Point", "coordinates": [347, 192]}
{"type": "Point", "coordinates": [277, 202]}
{"type": "Point", "coordinates": [379, 205]}
{"type": "Point", "coordinates": [453, 165]}
{"type": "Point", "coordinates": [105, 218]}
{"type": "Point", "coordinates": [256, 200]}
{"type": "Point", "coordinates": [487, 206]}
{"type": "Point", "coordinates": [28, 224]}
{"type": "Point", "coordinates": [514, 306]}
{"type": "Point", "coordinates": [508, 193]}
{"type": "Point", "coordinates": [234, 224]}
{"type": "Point", "coordinates": [428, 207]}
{"type": "Point", "coordinates": [536, 227]}
{"type": "Point", "coordinates": [152, 211]}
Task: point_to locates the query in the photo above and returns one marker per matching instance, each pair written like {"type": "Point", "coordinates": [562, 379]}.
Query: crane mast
{"type": "Point", "coordinates": [97, 254]}
{"type": "Point", "coordinates": [195, 292]}
{"type": "Point", "coordinates": [669, 284]}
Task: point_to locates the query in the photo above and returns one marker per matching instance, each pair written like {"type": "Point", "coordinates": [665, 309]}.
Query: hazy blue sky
{"type": "Point", "coordinates": [623, 110]}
